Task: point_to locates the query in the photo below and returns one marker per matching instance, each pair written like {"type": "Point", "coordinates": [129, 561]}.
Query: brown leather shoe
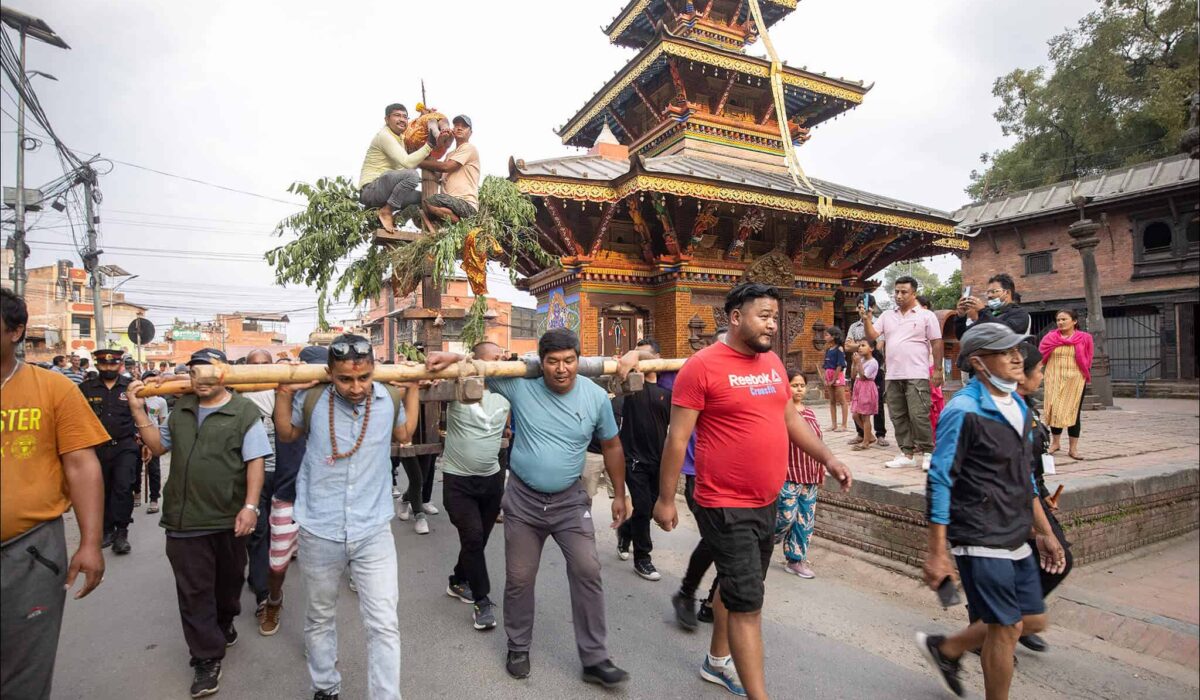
{"type": "Point", "coordinates": [269, 624]}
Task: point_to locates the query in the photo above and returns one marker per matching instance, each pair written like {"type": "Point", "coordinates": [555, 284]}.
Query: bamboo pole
{"type": "Point", "coordinates": [261, 377]}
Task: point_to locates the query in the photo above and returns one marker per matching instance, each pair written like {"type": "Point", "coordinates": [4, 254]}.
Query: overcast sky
{"type": "Point", "coordinates": [255, 95]}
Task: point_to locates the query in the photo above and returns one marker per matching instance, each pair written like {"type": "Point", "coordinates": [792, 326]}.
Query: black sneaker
{"type": "Point", "coordinates": [705, 613]}
{"type": "Point", "coordinates": [231, 635]}
{"type": "Point", "coordinates": [1033, 642]}
{"type": "Point", "coordinates": [120, 543]}
{"type": "Point", "coordinates": [108, 540]}
{"type": "Point", "coordinates": [518, 664]}
{"type": "Point", "coordinates": [685, 611]}
{"type": "Point", "coordinates": [321, 695]}
{"type": "Point", "coordinates": [646, 570]}
{"type": "Point", "coordinates": [605, 674]}
{"type": "Point", "coordinates": [623, 545]}
{"type": "Point", "coordinates": [207, 679]}
{"type": "Point", "coordinates": [946, 669]}
{"type": "Point", "coordinates": [483, 617]}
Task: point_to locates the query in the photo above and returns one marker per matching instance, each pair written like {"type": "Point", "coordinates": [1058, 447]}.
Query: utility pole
{"type": "Point", "coordinates": [91, 257]}
{"type": "Point", "coordinates": [20, 249]}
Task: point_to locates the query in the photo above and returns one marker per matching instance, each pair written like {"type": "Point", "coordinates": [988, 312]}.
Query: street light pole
{"type": "Point", "coordinates": [20, 249]}
{"type": "Point", "coordinates": [112, 291]}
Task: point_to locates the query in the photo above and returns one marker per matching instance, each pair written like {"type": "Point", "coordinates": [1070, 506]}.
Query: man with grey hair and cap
{"type": "Point", "coordinates": [459, 198]}
{"type": "Point", "coordinates": [982, 500]}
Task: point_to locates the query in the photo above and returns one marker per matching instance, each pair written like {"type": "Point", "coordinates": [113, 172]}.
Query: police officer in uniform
{"type": "Point", "coordinates": [118, 458]}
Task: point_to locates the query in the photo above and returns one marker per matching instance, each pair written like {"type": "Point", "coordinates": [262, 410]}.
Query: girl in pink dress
{"type": "Point", "coordinates": [864, 402]}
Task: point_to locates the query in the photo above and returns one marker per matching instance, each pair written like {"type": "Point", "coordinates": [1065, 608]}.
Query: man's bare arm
{"type": "Point", "coordinates": [85, 486]}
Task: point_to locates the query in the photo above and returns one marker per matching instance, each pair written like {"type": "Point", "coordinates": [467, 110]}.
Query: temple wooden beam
{"type": "Point", "coordinates": [719, 110]}
{"type": "Point", "coordinates": [677, 80]}
{"type": "Point", "coordinates": [902, 253]}
{"type": "Point", "coordinates": [560, 225]}
{"type": "Point", "coordinates": [551, 241]}
{"type": "Point", "coordinates": [767, 114]}
{"type": "Point", "coordinates": [629, 134]}
{"type": "Point", "coordinates": [637, 89]}
{"type": "Point", "coordinates": [606, 217]}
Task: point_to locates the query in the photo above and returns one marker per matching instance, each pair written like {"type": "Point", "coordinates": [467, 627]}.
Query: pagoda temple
{"type": "Point", "coordinates": [684, 193]}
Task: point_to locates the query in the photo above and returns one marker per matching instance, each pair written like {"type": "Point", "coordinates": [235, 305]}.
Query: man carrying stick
{"type": "Point", "coordinates": [344, 507]}
{"type": "Point", "coordinates": [555, 418]}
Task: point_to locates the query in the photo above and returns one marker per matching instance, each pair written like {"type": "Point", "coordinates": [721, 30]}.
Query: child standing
{"type": "Point", "coordinates": [865, 403]}
{"type": "Point", "coordinates": [835, 379]}
{"type": "Point", "coordinates": [795, 514]}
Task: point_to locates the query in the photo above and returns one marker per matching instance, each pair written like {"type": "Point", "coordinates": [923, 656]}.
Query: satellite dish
{"type": "Point", "coordinates": [141, 331]}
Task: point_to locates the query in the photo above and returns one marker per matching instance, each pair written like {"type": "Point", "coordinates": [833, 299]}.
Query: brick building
{"type": "Point", "coordinates": [234, 333]}
{"type": "Point", "coordinates": [62, 317]}
{"type": "Point", "coordinates": [390, 322]}
{"type": "Point", "coordinates": [1148, 257]}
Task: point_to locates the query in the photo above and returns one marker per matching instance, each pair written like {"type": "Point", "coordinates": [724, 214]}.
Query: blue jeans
{"type": "Point", "coordinates": [372, 562]}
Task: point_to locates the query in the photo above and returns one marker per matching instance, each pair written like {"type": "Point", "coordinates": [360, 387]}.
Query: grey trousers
{"type": "Point", "coordinates": [31, 609]}
{"type": "Point", "coordinates": [529, 518]}
{"type": "Point", "coordinates": [908, 402]}
{"type": "Point", "coordinates": [398, 188]}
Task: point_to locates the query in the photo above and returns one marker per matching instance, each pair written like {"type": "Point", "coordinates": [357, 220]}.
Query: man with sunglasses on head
{"type": "Point", "coordinates": [555, 417]}
{"type": "Point", "coordinates": [210, 506]}
{"type": "Point", "coordinates": [344, 507]}
{"type": "Point", "coordinates": [108, 395]}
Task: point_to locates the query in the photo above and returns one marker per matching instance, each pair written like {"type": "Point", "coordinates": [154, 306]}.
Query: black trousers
{"type": "Point", "coordinates": [473, 502]}
{"type": "Point", "coordinates": [702, 556]}
{"type": "Point", "coordinates": [419, 470]}
{"type": "Point", "coordinates": [118, 465]}
{"type": "Point", "coordinates": [258, 546]}
{"type": "Point", "coordinates": [641, 478]}
{"type": "Point", "coordinates": [1074, 430]}
{"type": "Point", "coordinates": [154, 467]}
{"type": "Point", "coordinates": [1051, 581]}
{"type": "Point", "coordinates": [208, 581]}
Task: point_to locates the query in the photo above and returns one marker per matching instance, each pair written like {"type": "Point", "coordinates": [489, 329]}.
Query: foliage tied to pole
{"type": "Point", "coordinates": [334, 225]}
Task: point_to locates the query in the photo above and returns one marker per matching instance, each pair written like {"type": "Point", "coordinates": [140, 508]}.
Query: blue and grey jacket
{"type": "Point", "coordinates": [980, 484]}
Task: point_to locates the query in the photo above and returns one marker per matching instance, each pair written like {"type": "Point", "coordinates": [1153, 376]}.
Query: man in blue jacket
{"type": "Point", "coordinates": [981, 498]}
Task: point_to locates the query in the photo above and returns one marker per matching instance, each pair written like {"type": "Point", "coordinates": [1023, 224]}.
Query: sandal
{"type": "Point", "coordinates": [860, 447]}
{"type": "Point", "coordinates": [1075, 457]}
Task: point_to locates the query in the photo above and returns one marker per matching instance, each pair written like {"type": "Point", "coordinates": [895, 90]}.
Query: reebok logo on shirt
{"type": "Point", "coordinates": [759, 384]}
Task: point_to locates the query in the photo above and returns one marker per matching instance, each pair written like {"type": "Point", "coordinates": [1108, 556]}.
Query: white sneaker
{"type": "Point", "coordinates": [422, 525]}
{"type": "Point", "coordinates": [396, 492]}
{"type": "Point", "coordinates": [405, 511]}
{"type": "Point", "coordinates": [429, 509]}
{"type": "Point", "coordinates": [900, 462]}
{"type": "Point", "coordinates": [928, 459]}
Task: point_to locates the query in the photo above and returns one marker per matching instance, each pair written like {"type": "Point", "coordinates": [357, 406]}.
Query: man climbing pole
{"type": "Point", "coordinates": [388, 179]}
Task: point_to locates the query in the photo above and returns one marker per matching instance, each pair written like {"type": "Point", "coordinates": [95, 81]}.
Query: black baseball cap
{"type": "Point", "coordinates": [464, 119]}
{"type": "Point", "coordinates": [207, 356]}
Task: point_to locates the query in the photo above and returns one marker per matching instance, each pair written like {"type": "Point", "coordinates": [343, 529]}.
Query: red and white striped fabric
{"type": "Point", "coordinates": [284, 535]}
{"type": "Point", "coordinates": [802, 468]}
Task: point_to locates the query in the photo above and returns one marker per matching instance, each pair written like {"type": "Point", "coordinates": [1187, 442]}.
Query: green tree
{"type": "Point", "coordinates": [1114, 96]}
{"type": "Point", "coordinates": [926, 280]}
{"type": "Point", "coordinates": [946, 296]}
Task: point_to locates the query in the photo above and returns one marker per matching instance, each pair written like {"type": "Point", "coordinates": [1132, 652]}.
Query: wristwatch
{"type": "Point", "coordinates": [251, 506]}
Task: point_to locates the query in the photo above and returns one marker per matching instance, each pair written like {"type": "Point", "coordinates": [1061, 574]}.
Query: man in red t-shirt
{"type": "Point", "coordinates": [735, 395]}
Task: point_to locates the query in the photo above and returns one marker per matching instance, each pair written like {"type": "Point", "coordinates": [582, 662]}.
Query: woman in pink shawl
{"type": "Point", "coordinates": [1067, 353]}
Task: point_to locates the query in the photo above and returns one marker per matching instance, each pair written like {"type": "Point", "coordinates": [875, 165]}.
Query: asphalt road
{"type": "Point", "coordinates": [844, 635]}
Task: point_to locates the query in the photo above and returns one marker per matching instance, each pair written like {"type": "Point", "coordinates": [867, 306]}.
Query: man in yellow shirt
{"type": "Point", "coordinates": [47, 464]}
{"type": "Point", "coordinates": [388, 179]}
{"type": "Point", "coordinates": [459, 198]}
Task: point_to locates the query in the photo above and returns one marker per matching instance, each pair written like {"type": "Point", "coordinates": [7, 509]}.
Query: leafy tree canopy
{"type": "Point", "coordinates": [1115, 95]}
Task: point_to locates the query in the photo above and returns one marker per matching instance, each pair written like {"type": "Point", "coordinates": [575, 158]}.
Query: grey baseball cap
{"type": "Point", "coordinates": [986, 336]}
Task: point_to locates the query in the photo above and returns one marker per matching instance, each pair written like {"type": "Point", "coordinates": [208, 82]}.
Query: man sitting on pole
{"type": "Point", "coordinates": [459, 198]}
{"type": "Point", "coordinates": [388, 179]}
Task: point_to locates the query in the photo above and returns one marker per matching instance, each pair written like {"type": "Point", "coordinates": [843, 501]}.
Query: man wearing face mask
{"type": "Point", "coordinates": [1001, 307]}
{"type": "Point", "coordinates": [982, 501]}
{"type": "Point", "coordinates": [108, 396]}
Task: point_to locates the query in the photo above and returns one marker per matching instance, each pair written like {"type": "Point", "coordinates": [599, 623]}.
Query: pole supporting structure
{"type": "Point", "coordinates": [19, 247]}
{"type": "Point", "coordinates": [1085, 240]}
{"type": "Point", "coordinates": [93, 252]}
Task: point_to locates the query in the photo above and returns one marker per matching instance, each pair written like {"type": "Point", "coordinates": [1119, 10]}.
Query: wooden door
{"type": "Point", "coordinates": [618, 333]}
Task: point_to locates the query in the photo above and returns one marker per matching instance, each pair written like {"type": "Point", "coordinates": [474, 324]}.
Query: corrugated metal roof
{"type": "Point", "coordinates": [1165, 173]}
{"type": "Point", "coordinates": [778, 181]}
{"type": "Point", "coordinates": [604, 169]}
{"type": "Point", "coordinates": [583, 167]}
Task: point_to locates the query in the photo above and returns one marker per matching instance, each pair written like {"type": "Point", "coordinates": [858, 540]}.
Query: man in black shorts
{"type": "Point", "coordinates": [735, 396]}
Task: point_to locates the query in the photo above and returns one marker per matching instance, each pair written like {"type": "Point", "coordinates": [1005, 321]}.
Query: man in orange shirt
{"type": "Point", "coordinates": [47, 435]}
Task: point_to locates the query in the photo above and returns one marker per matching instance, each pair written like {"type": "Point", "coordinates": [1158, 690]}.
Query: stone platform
{"type": "Point", "coordinates": [1139, 483]}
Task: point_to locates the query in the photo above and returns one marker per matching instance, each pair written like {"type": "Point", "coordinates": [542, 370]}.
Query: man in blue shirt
{"type": "Point", "coordinates": [555, 417]}
{"type": "Point", "coordinates": [344, 507]}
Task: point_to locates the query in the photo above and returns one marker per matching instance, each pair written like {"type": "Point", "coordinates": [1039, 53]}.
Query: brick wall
{"type": "Point", "coordinates": [1114, 259]}
{"type": "Point", "coordinates": [1100, 521]}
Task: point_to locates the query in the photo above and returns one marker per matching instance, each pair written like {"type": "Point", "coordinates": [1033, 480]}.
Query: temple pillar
{"type": "Point", "coordinates": [1085, 241]}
